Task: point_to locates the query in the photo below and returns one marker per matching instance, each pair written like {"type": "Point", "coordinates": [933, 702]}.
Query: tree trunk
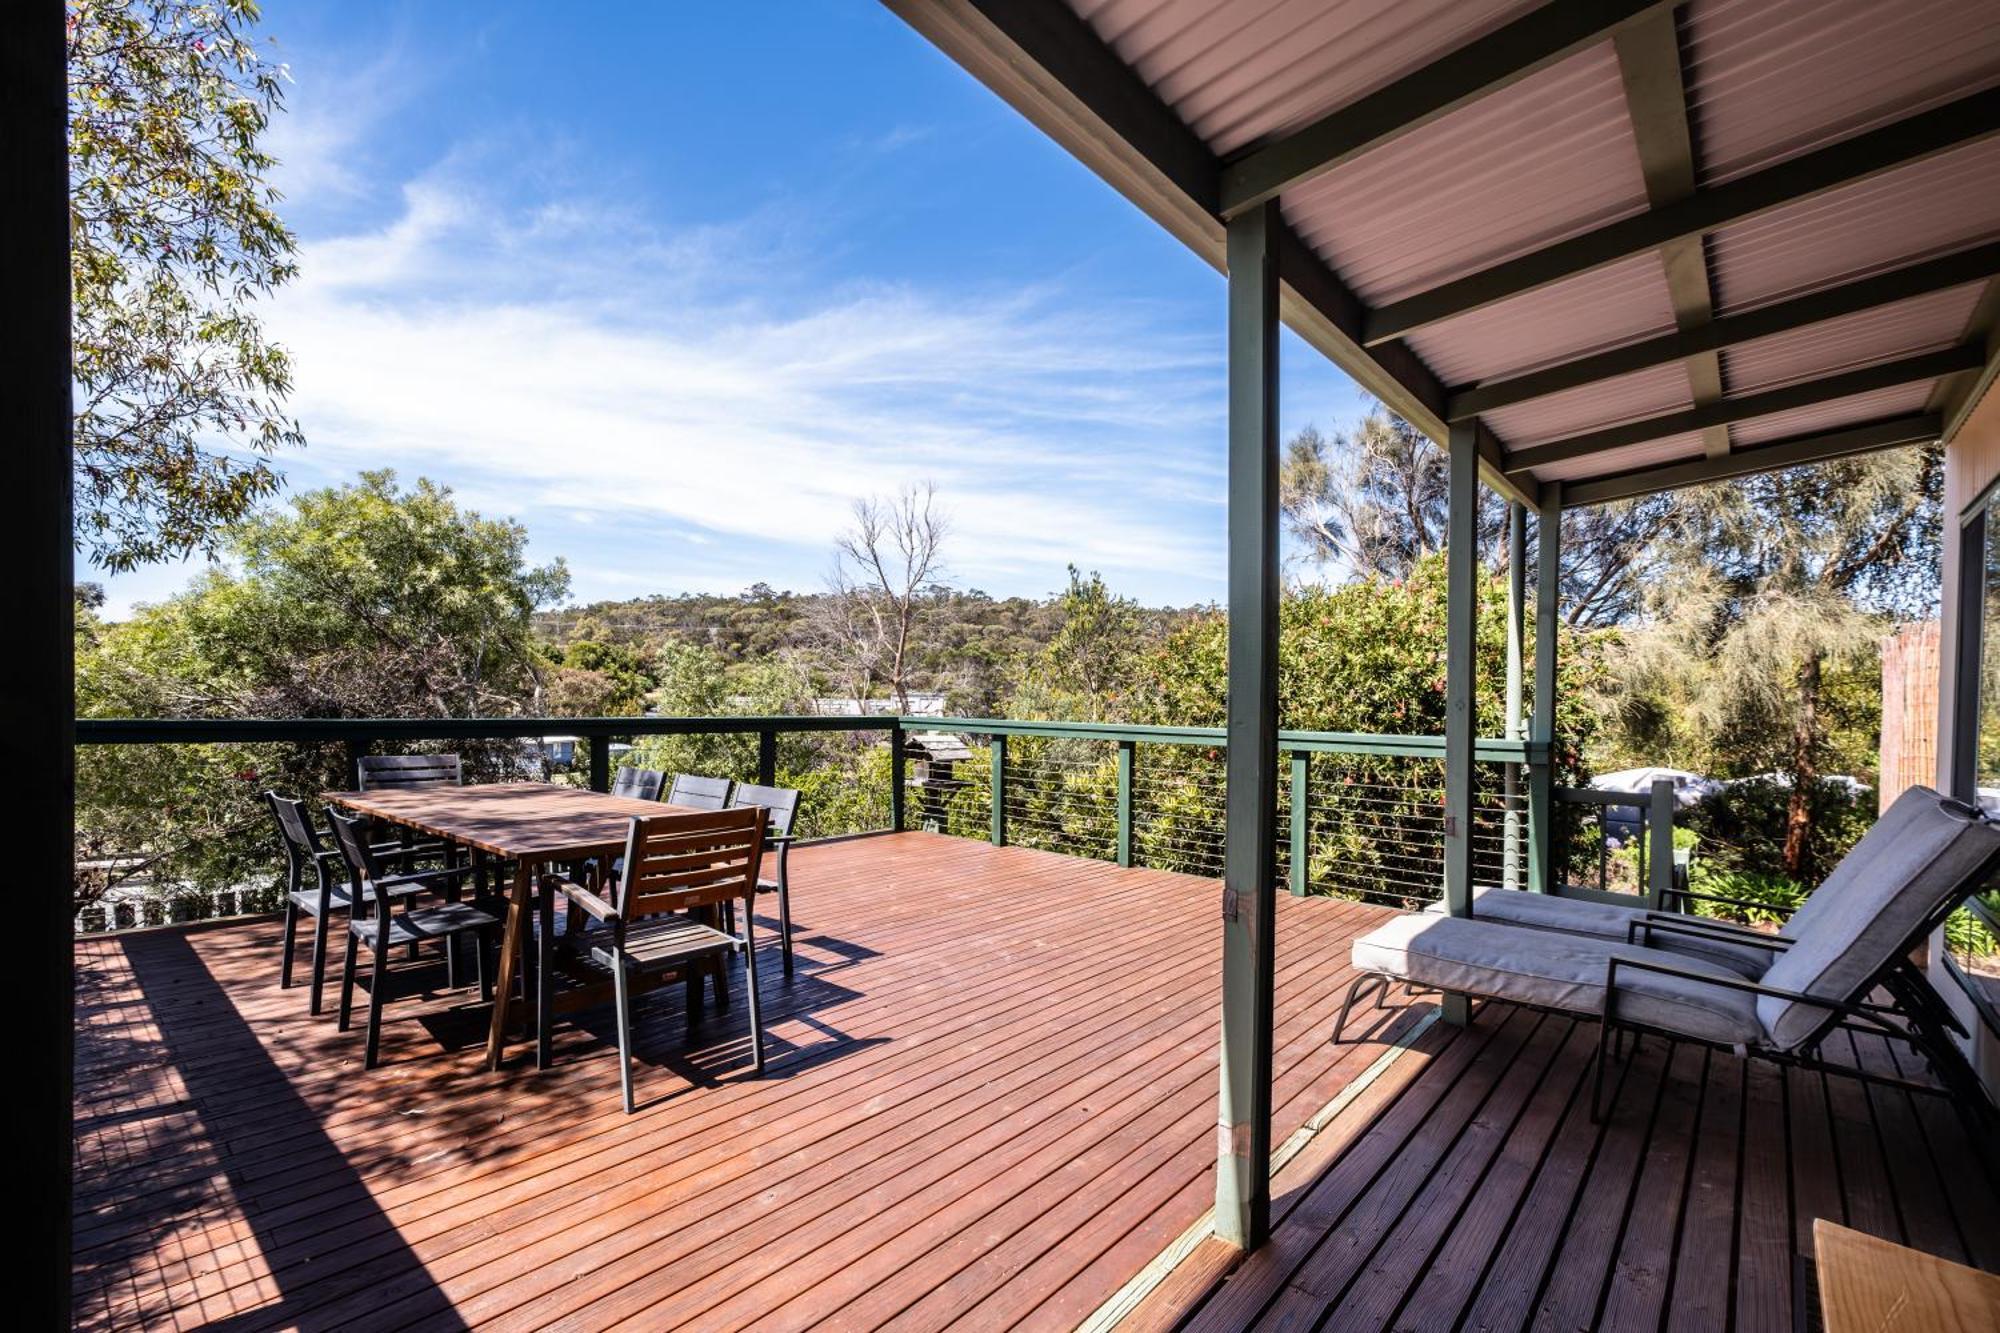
{"type": "Point", "coordinates": [1805, 772]}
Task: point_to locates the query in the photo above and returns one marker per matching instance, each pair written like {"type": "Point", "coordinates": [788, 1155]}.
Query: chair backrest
{"type": "Point", "coordinates": [378, 771]}
{"type": "Point", "coordinates": [781, 802]}
{"type": "Point", "coordinates": [1934, 853]}
{"type": "Point", "coordinates": [641, 784]}
{"type": "Point", "coordinates": [699, 793]}
{"type": "Point", "coordinates": [675, 862]}
{"type": "Point", "coordinates": [294, 826]}
{"type": "Point", "coordinates": [350, 835]}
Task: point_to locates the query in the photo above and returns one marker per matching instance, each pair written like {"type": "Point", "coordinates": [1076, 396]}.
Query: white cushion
{"type": "Point", "coordinates": [1608, 921]}
{"type": "Point", "coordinates": [1936, 852]}
{"type": "Point", "coordinates": [1556, 970]}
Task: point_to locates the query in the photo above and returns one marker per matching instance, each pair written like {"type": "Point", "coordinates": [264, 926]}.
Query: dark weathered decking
{"type": "Point", "coordinates": [991, 1100]}
{"type": "Point", "coordinates": [1478, 1195]}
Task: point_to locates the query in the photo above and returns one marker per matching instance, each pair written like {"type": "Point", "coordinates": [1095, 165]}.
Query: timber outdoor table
{"type": "Point", "coordinates": [529, 823]}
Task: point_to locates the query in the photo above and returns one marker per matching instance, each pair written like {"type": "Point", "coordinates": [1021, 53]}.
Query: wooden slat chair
{"type": "Point", "coordinates": [673, 864]}
{"type": "Point", "coordinates": [695, 792]}
{"type": "Point", "coordinates": [390, 772]}
{"type": "Point", "coordinates": [326, 893]}
{"type": "Point", "coordinates": [782, 805]}
{"type": "Point", "coordinates": [375, 923]}
{"type": "Point", "coordinates": [639, 784]}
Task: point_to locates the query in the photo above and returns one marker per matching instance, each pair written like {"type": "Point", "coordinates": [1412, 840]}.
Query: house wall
{"type": "Point", "coordinates": [1972, 463]}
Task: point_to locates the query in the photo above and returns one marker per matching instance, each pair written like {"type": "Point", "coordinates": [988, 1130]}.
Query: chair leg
{"type": "Point", "coordinates": [347, 981]}
{"type": "Point", "coordinates": [319, 962]}
{"type": "Point", "coordinates": [785, 923]}
{"type": "Point", "coordinates": [1354, 992]}
{"type": "Point", "coordinates": [1604, 1030]}
{"type": "Point", "coordinates": [291, 934]}
{"type": "Point", "coordinates": [378, 988]}
{"type": "Point", "coordinates": [750, 984]}
{"type": "Point", "coordinates": [621, 990]}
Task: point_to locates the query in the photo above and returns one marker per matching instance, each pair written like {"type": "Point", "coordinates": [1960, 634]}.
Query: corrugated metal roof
{"type": "Point", "coordinates": [1242, 72]}
{"type": "Point", "coordinates": [1671, 450]}
{"type": "Point", "coordinates": [1942, 203]}
{"type": "Point", "coordinates": [1554, 155]}
{"type": "Point", "coordinates": [1769, 79]}
{"type": "Point", "coordinates": [1892, 402]}
{"type": "Point", "coordinates": [1644, 393]}
{"type": "Point", "coordinates": [1529, 165]}
{"type": "Point", "coordinates": [1602, 308]}
{"type": "Point", "coordinates": [1919, 324]}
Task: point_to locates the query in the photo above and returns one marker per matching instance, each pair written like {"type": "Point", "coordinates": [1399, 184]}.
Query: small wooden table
{"type": "Point", "coordinates": [1866, 1283]}
{"type": "Point", "coordinates": [532, 824]}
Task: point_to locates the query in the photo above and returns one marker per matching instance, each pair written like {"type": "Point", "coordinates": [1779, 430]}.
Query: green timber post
{"type": "Point", "coordinates": [1301, 804]}
{"type": "Point", "coordinates": [1000, 789]}
{"type": "Point", "coordinates": [1461, 668]}
{"type": "Point", "coordinates": [767, 758]}
{"type": "Point", "coordinates": [1517, 596]}
{"type": "Point", "coordinates": [1249, 907]}
{"type": "Point", "coordinates": [600, 763]}
{"type": "Point", "coordinates": [1660, 839]}
{"type": "Point", "coordinates": [1125, 757]}
{"type": "Point", "coordinates": [898, 768]}
{"type": "Point", "coordinates": [1542, 722]}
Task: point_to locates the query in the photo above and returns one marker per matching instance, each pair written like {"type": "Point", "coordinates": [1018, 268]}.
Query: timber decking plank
{"type": "Point", "coordinates": [960, 1009]}
{"type": "Point", "coordinates": [1764, 1238]}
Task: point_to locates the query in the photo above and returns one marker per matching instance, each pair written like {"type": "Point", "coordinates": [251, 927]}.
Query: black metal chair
{"type": "Point", "coordinates": [378, 771]}
{"type": "Point", "coordinates": [328, 892]}
{"type": "Point", "coordinates": [673, 864]}
{"type": "Point", "coordinates": [640, 784]}
{"type": "Point", "coordinates": [695, 792]}
{"type": "Point", "coordinates": [374, 922]}
{"type": "Point", "coordinates": [781, 804]}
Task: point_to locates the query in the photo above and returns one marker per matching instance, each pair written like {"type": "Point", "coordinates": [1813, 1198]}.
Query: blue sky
{"type": "Point", "coordinates": [675, 284]}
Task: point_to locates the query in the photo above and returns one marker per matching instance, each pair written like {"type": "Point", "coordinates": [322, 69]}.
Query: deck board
{"type": "Point", "coordinates": [990, 1100]}
{"type": "Point", "coordinates": [1477, 1195]}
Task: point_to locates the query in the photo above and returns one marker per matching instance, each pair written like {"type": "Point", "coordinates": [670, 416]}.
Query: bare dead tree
{"type": "Point", "coordinates": [884, 566]}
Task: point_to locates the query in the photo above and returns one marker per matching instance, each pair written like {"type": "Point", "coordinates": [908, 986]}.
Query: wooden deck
{"type": "Point", "coordinates": [991, 1101]}
{"type": "Point", "coordinates": [1478, 1195]}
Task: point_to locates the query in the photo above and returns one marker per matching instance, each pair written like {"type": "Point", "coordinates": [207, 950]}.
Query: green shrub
{"type": "Point", "coordinates": [1742, 826]}
{"type": "Point", "coordinates": [1783, 895]}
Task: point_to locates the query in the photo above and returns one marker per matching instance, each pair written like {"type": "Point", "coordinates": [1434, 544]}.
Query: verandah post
{"type": "Point", "coordinates": [1461, 665]}
{"type": "Point", "coordinates": [1249, 907]}
{"type": "Point", "coordinates": [767, 757]}
{"type": "Point", "coordinates": [1542, 724]}
{"type": "Point", "coordinates": [1517, 589]}
{"type": "Point", "coordinates": [600, 762]}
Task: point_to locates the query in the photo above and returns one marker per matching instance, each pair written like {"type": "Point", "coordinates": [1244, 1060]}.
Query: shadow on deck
{"type": "Point", "coordinates": [991, 1100]}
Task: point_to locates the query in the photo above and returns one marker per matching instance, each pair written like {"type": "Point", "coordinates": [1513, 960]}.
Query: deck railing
{"type": "Point", "coordinates": [1361, 816]}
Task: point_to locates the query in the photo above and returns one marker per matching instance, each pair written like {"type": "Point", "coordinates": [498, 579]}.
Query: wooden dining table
{"type": "Point", "coordinates": [534, 825]}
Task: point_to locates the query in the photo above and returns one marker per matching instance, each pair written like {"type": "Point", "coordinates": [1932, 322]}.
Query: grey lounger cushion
{"type": "Point", "coordinates": [1606, 921]}
{"type": "Point", "coordinates": [1934, 852]}
{"type": "Point", "coordinates": [1557, 971]}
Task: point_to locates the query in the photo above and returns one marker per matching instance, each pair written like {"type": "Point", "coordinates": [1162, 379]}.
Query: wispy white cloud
{"type": "Point", "coordinates": [706, 384]}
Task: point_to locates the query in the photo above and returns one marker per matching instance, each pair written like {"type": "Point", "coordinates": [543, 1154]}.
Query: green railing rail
{"type": "Point", "coordinates": [1303, 756]}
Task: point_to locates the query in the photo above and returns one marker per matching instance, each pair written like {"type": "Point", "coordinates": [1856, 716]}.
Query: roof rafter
{"type": "Point", "coordinates": [1649, 63]}
{"type": "Point", "coordinates": [1870, 293]}
{"type": "Point", "coordinates": [1485, 65]}
{"type": "Point", "coordinates": [1892, 433]}
{"type": "Point", "coordinates": [1907, 370]}
{"type": "Point", "coordinates": [1926, 134]}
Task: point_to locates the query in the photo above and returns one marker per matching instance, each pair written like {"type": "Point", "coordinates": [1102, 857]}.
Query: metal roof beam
{"type": "Point", "coordinates": [1485, 65]}
{"type": "Point", "coordinates": [1921, 428]}
{"type": "Point", "coordinates": [1932, 275]}
{"type": "Point", "coordinates": [1924, 135]}
{"type": "Point", "coordinates": [1649, 63]}
{"type": "Point", "coordinates": [1908, 370]}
